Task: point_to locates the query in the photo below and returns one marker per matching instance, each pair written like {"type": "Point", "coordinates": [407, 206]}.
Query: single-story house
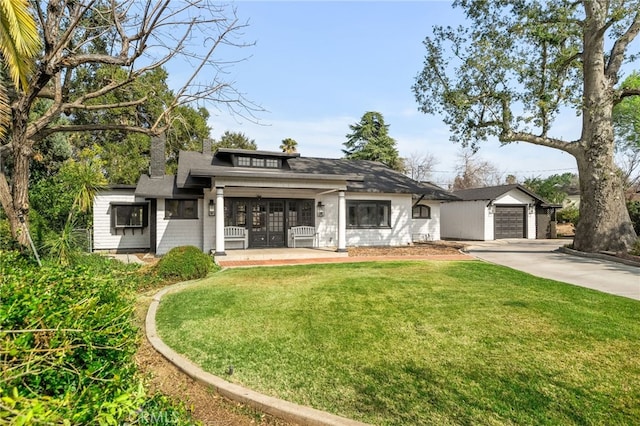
{"type": "Point", "coordinates": [497, 212]}
{"type": "Point", "coordinates": [249, 199]}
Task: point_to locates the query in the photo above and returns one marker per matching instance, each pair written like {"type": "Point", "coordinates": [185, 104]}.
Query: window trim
{"type": "Point", "coordinates": [420, 215]}
{"type": "Point", "coordinates": [145, 215]}
{"type": "Point", "coordinates": [181, 209]}
{"type": "Point", "coordinates": [256, 162]}
{"type": "Point", "coordinates": [378, 203]}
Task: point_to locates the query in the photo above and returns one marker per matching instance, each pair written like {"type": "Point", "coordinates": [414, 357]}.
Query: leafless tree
{"type": "Point", "coordinates": [419, 166]}
{"type": "Point", "coordinates": [629, 163]}
{"type": "Point", "coordinates": [474, 172]}
{"type": "Point", "coordinates": [133, 38]}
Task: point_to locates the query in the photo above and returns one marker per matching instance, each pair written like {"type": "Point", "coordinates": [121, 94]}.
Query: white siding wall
{"type": "Point", "coordinates": [427, 229]}
{"type": "Point", "coordinates": [400, 232]}
{"type": "Point", "coordinates": [327, 226]}
{"type": "Point", "coordinates": [178, 232]}
{"type": "Point", "coordinates": [208, 223]}
{"type": "Point", "coordinates": [465, 220]}
{"type": "Point", "coordinates": [517, 197]}
{"type": "Point", "coordinates": [106, 238]}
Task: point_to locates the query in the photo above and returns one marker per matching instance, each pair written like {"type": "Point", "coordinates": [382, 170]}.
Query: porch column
{"type": "Point", "coordinates": [219, 222]}
{"type": "Point", "coordinates": [342, 223]}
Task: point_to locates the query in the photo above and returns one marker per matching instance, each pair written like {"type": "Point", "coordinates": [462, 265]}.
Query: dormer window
{"type": "Point", "coordinates": [258, 162]}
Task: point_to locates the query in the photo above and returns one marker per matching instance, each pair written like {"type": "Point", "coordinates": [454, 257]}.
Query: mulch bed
{"type": "Point", "coordinates": [422, 249]}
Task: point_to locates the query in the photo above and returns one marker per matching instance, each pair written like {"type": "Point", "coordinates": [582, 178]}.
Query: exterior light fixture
{"type": "Point", "coordinates": [320, 209]}
{"type": "Point", "coordinates": [532, 208]}
{"type": "Point", "coordinates": [212, 207]}
{"type": "Point", "coordinates": [492, 208]}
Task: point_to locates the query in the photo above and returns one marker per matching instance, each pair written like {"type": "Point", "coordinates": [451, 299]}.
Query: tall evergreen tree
{"type": "Point", "coordinates": [370, 140]}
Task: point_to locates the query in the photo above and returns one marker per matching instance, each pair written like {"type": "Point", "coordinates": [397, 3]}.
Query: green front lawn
{"type": "Point", "coordinates": [416, 342]}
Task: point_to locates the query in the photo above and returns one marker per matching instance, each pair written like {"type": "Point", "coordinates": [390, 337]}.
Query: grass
{"type": "Point", "coordinates": [416, 342]}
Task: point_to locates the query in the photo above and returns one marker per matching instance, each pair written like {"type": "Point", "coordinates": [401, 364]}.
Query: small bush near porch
{"type": "Point", "coordinates": [416, 342]}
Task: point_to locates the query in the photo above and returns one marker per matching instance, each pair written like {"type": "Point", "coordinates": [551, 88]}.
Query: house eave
{"type": "Point", "coordinates": [273, 175]}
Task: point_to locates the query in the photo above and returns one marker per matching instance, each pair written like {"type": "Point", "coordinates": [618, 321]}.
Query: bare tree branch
{"type": "Point", "coordinates": [620, 46]}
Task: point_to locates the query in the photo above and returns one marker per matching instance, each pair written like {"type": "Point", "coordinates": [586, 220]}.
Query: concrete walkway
{"type": "Point", "coordinates": [541, 258]}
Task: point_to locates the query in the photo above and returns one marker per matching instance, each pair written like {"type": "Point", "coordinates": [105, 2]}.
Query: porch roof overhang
{"type": "Point", "coordinates": [279, 179]}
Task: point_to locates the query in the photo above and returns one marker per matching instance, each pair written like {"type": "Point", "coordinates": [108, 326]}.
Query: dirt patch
{"type": "Point", "coordinates": [422, 249]}
{"type": "Point", "coordinates": [565, 230]}
{"type": "Point", "coordinates": [204, 404]}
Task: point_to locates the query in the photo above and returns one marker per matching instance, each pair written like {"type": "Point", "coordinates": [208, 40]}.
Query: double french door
{"type": "Point", "coordinates": [266, 228]}
{"type": "Point", "coordinates": [267, 220]}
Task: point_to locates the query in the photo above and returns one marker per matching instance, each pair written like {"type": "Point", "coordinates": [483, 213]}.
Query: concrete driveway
{"type": "Point", "coordinates": [538, 257]}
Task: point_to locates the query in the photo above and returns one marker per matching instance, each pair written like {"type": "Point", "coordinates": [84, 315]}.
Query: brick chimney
{"type": "Point", "coordinates": [206, 146]}
{"type": "Point", "coordinates": [157, 163]}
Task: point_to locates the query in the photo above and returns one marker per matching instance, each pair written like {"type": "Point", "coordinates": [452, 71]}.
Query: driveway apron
{"type": "Point", "coordinates": [540, 258]}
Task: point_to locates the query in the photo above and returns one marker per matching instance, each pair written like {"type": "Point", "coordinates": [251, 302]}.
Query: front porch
{"type": "Point", "coordinates": [254, 257]}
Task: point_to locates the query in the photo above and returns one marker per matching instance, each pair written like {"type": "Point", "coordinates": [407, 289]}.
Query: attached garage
{"type": "Point", "coordinates": [510, 222]}
{"type": "Point", "coordinates": [493, 213]}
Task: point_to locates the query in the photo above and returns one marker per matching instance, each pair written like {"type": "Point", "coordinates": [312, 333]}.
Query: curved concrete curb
{"type": "Point", "coordinates": [599, 256]}
{"type": "Point", "coordinates": [274, 406]}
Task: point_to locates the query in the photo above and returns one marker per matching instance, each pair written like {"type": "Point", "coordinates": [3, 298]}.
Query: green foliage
{"type": "Point", "coordinates": [289, 145]}
{"type": "Point", "coordinates": [370, 140]}
{"type": "Point", "coordinates": [569, 214]}
{"type": "Point", "coordinates": [126, 155]}
{"type": "Point", "coordinates": [554, 188]}
{"type": "Point", "coordinates": [237, 140]}
{"type": "Point", "coordinates": [68, 342]}
{"type": "Point", "coordinates": [634, 214]}
{"type": "Point", "coordinates": [635, 250]}
{"type": "Point", "coordinates": [184, 263]}
{"type": "Point", "coordinates": [510, 69]}
{"type": "Point", "coordinates": [626, 116]}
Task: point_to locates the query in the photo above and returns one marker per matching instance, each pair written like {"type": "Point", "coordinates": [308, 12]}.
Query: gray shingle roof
{"type": "Point", "coordinates": [164, 187]}
{"type": "Point", "coordinates": [195, 170]}
{"type": "Point", "coordinates": [493, 192]}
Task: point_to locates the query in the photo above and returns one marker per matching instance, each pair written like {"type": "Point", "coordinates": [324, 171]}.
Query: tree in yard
{"type": "Point", "coordinates": [517, 66]}
{"type": "Point", "coordinates": [289, 146]}
{"type": "Point", "coordinates": [125, 154]}
{"type": "Point", "coordinates": [554, 188]}
{"type": "Point", "coordinates": [474, 172]}
{"type": "Point", "coordinates": [236, 140]}
{"type": "Point", "coordinates": [626, 122]}
{"type": "Point", "coordinates": [370, 140]}
{"type": "Point", "coordinates": [419, 166]}
{"type": "Point", "coordinates": [114, 45]}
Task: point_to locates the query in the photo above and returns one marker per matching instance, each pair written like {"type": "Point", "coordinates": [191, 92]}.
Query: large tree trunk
{"type": "Point", "coordinates": [15, 199]}
{"type": "Point", "coordinates": [604, 222]}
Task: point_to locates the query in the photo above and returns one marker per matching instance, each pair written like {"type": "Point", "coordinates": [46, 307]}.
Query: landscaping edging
{"type": "Point", "coordinates": [276, 407]}
{"type": "Point", "coordinates": [600, 256]}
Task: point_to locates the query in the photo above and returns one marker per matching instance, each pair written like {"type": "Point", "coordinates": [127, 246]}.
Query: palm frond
{"type": "Point", "coordinates": [19, 40]}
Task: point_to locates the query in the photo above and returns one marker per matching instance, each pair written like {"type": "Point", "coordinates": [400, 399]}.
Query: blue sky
{"type": "Point", "coordinates": [317, 67]}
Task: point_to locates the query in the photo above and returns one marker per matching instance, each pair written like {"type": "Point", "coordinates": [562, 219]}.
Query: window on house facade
{"type": "Point", "coordinates": [421, 212]}
{"type": "Point", "coordinates": [181, 209]}
{"type": "Point", "coordinates": [368, 214]}
{"type": "Point", "coordinates": [244, 161]}
{"type": "Point", "coordinates": [262, 163]}
{"type": "Point", "coordinates": [129, 216]}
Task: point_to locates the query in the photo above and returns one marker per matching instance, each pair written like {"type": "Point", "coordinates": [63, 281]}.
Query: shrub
{"type": "Point", "coordinates": [569, 214]}
{"type": "Point", "coordinates": [634, 214]}
{"type": "Point", "coordinates": [68, 342]}
{"type": "Point", "coordinates": [184, 263]}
